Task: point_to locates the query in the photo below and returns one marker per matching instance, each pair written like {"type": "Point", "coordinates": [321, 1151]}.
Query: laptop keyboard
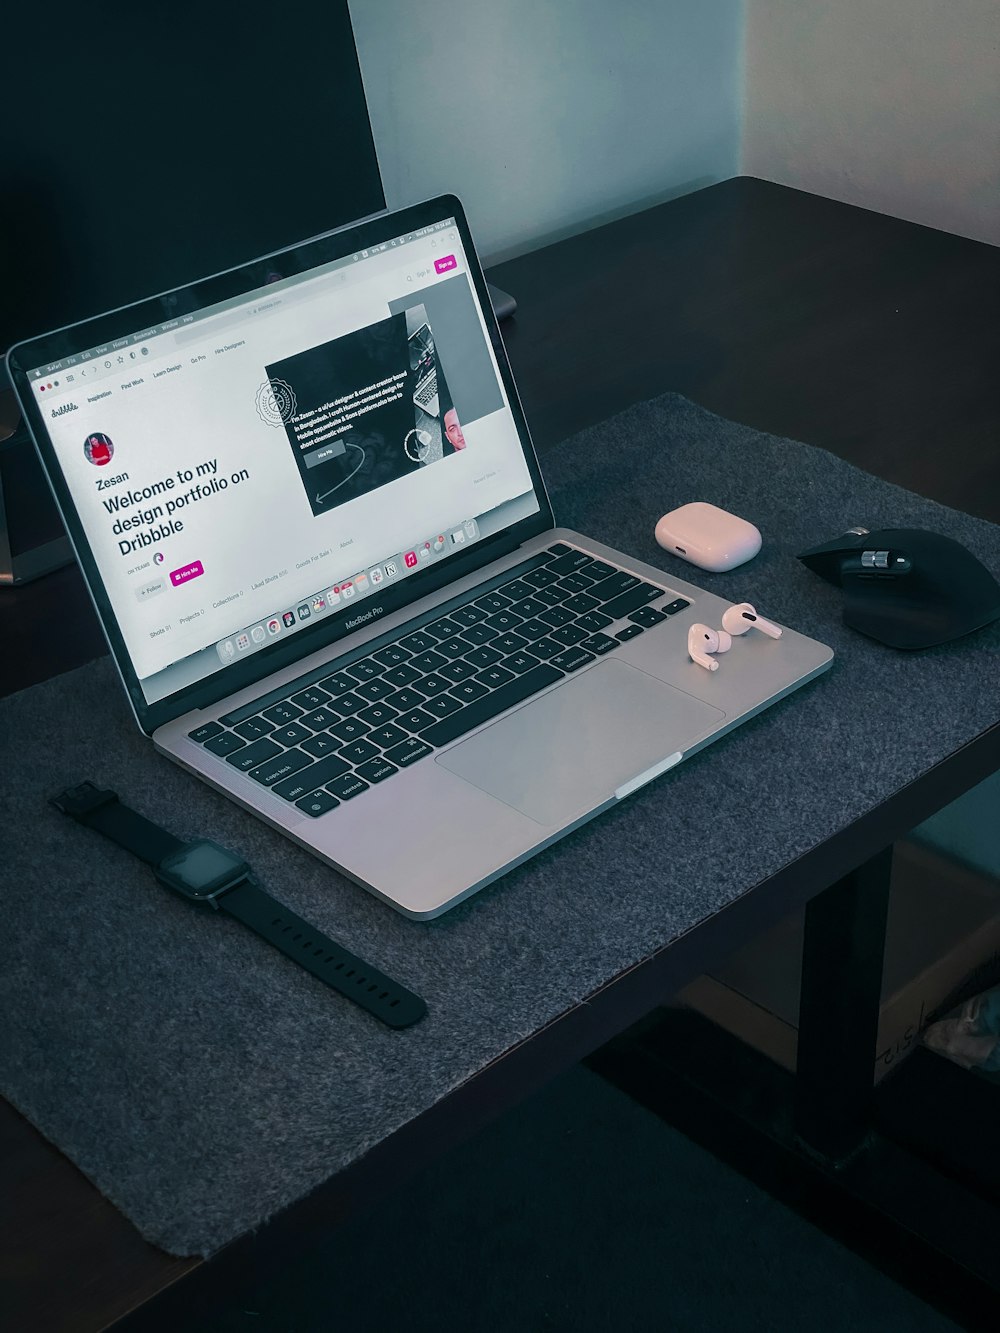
{"type": "Point", "coordinates": [426, 393]}
{"type": "Point", "coordinates": [320, 744]}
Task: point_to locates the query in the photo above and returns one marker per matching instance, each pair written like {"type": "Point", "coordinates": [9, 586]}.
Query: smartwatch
{"type": "Point", "coordinates": [204, 872]}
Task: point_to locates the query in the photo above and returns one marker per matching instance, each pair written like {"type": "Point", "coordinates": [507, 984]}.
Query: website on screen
{"type": "Point", "coordinates": [271, 460]}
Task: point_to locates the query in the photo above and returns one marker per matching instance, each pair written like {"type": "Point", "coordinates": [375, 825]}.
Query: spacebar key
{"type": "Point", "coordinates": [514, 692]}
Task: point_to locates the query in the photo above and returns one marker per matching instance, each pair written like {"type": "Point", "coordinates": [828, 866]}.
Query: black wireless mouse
{"type": "Point", "coordinates": [907, 587]}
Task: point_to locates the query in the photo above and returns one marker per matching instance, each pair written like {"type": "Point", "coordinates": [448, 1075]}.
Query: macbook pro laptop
{"type": "Point", "coordinates": [355, 617]}
{"type": "Point", "coordinates": [425, 392]}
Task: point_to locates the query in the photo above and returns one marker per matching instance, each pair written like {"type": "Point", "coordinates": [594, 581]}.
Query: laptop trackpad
{"type": "Point", "coordinates": [567, 752]}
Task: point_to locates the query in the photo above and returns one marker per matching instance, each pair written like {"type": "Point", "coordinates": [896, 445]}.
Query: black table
{"type": "Point", "coordinates": [873, 337]}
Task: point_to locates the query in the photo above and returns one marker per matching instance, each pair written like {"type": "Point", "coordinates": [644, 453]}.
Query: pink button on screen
{"type": "Point", "coordinates": [191, 571]}
{"type": "Point", "coordinates": [443, 265]}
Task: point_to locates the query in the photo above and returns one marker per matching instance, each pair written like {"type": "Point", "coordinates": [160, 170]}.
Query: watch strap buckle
{"type": "Point", "coordinates": [82, 800]}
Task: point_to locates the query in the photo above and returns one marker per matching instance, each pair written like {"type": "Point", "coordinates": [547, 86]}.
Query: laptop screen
{"type": "Point", "coordinates": [247, 468]}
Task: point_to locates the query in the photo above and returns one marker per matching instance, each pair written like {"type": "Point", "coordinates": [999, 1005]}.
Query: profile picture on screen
{"type": "Point", "coordinates": [98, 449]}
{"type": "Point", "coordinates": [453, 429]}
{"type": "Point", "coordinates": [450, 423]}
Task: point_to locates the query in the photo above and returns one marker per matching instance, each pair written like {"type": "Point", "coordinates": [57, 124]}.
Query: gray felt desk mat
{"type": "Point", "coordinates": [203, 1082]}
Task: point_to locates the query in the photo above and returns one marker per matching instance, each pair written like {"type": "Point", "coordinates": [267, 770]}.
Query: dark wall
{"type": "Point", "coordinates": [144, 146]}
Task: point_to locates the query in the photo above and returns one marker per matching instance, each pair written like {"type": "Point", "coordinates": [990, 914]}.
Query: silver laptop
{"type": "Point", "coordinates": [355, 618]}
{"type": "Point", "coordinates": [422, 362]}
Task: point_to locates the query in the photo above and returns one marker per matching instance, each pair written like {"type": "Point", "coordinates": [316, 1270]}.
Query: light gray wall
{"type": "Point", "coordinates": [890, 104]}
{"type": "Point", "coordinates": [550, 116]}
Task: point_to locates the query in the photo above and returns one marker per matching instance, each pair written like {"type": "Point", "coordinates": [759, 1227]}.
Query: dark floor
{"type": "Point", "coordinates": [578, 1211]}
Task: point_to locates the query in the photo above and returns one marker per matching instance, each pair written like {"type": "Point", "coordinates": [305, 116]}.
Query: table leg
{"type": "Point", "coordinates": [839, 1009]}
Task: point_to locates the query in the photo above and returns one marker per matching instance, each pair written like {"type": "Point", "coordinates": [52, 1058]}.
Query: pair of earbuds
{"type": "Point", "coordinates": [704, 643]}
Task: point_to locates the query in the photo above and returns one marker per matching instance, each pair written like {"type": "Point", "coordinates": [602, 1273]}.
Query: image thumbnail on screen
{"type": "Point", "coordinates": [364, 409]}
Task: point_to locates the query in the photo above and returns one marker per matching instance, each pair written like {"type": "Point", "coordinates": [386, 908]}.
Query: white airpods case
{"type": "Point", "coordinates": [708, 536]}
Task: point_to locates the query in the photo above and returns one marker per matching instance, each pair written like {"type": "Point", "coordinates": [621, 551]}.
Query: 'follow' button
{"type": "Point", "coordinates": [186, 572]}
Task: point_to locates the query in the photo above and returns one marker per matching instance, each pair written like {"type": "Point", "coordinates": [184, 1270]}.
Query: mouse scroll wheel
{"type": "Point", "coordinates": [875, 559]}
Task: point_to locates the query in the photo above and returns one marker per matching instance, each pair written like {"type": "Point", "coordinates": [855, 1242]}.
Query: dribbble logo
{"type": "Point", "coordinates": [66, 407]}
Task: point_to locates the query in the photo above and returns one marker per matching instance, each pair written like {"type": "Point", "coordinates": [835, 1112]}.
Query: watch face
{"type": "Point", "coordinates": [202, 869]}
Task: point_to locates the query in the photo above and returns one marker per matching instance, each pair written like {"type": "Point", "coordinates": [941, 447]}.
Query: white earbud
{"type": "Point", "coordinates": [742, 617]}
{"type": "Point", "coordinates": [703, 641]}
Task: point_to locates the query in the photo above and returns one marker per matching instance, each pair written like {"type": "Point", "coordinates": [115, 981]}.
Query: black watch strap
{"type": "Point", "coordinates": [103, 811]}
{"type": "Point", "coordinates": [327, 960]}
{"type": "Point", "coordinates": [323, 957]}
